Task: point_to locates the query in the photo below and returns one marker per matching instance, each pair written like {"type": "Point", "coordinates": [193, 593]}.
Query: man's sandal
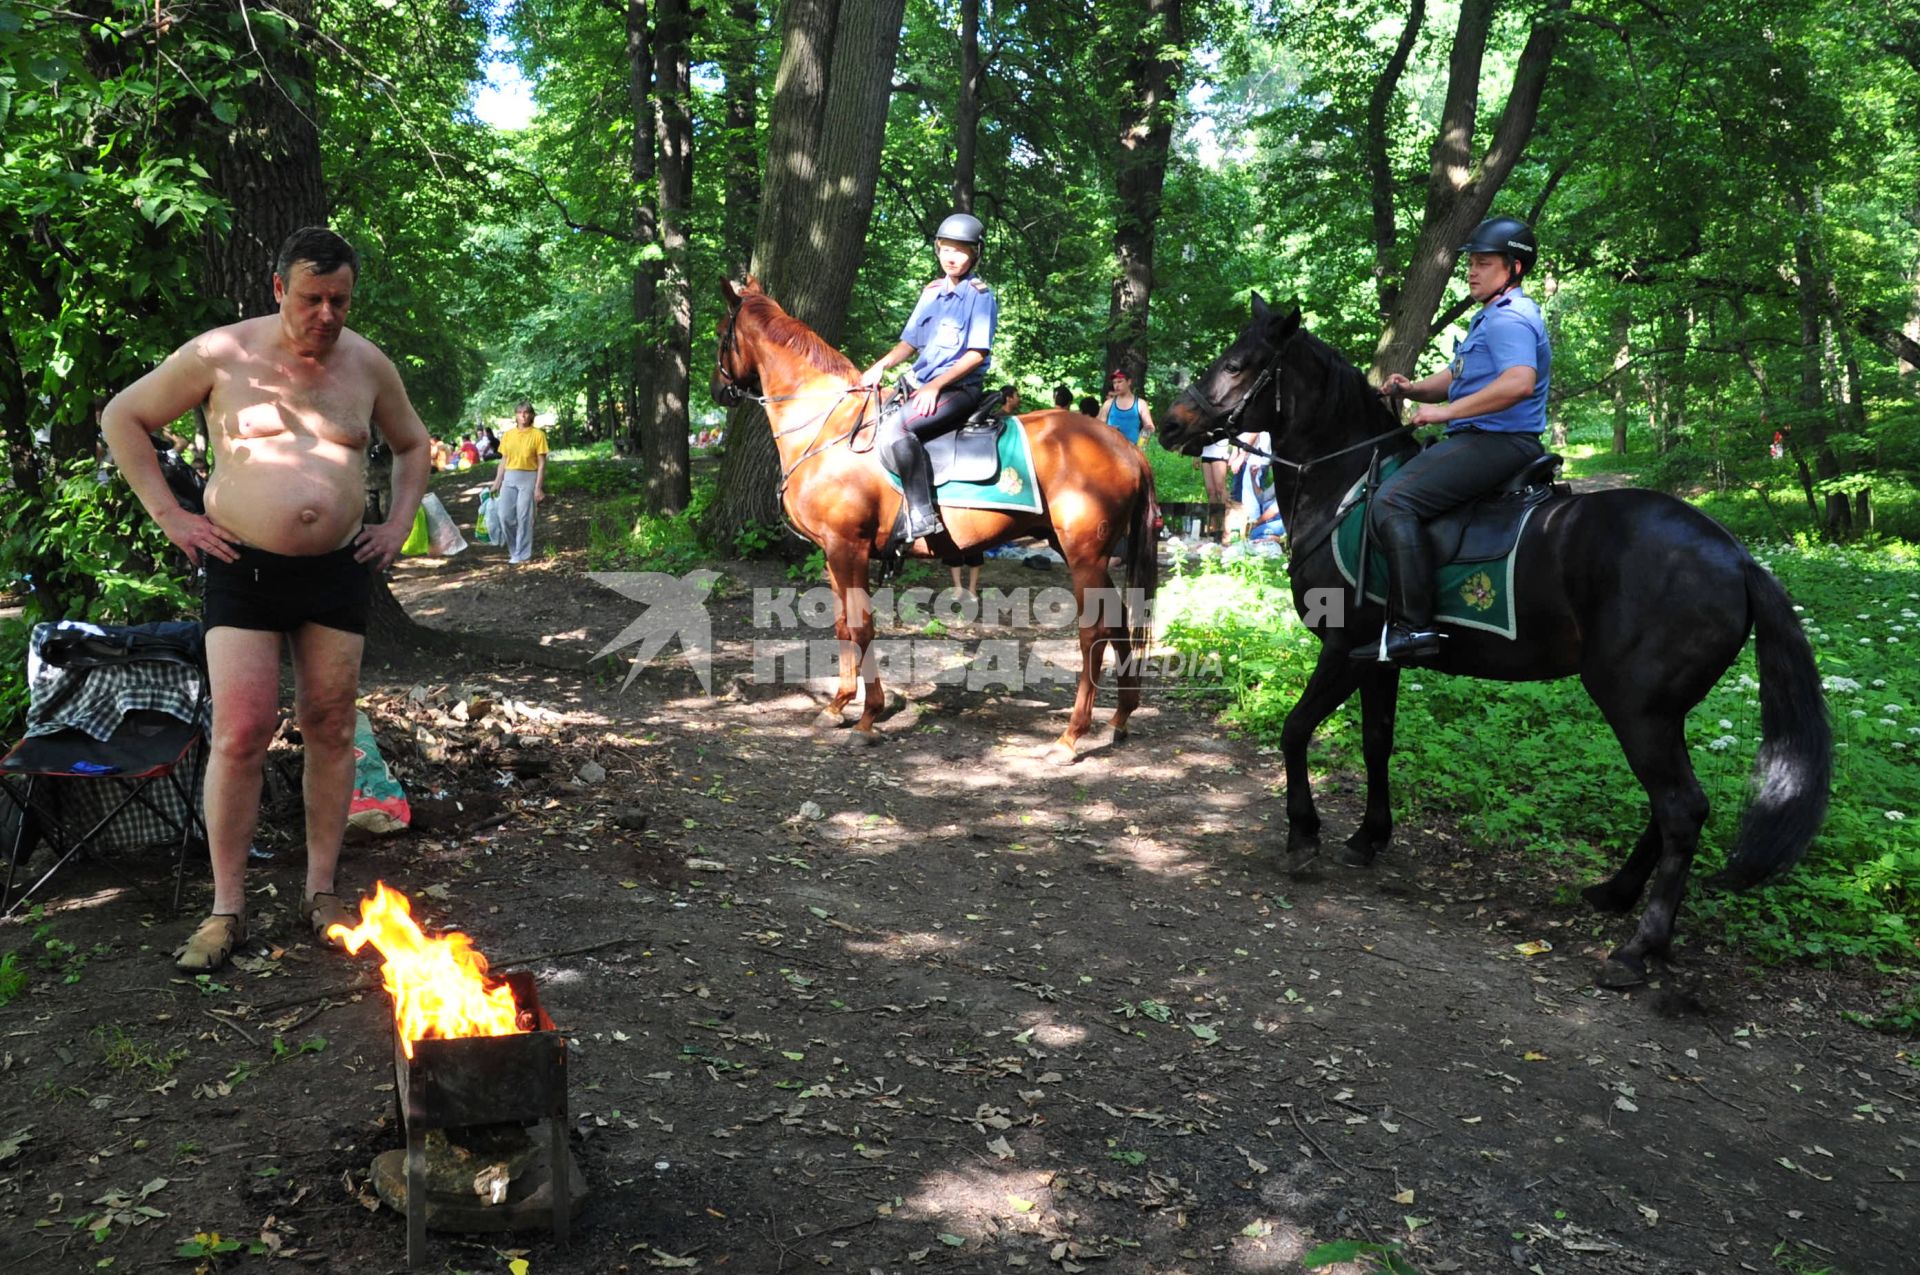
{"type": "Point", "coordinates": [326, 910]}
{"type": "Point", "coordinates": [211, 944]}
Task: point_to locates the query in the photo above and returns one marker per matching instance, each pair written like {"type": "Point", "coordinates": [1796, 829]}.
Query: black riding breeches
{"type": "Point", "coordinates": [949, 414]}
{"type": "Point", "coordinates": [1453, 471]}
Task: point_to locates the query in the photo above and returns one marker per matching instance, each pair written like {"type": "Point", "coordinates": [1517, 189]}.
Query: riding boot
{"type": "Point", "coordinates": [1410, 635]}
{"type": "Point", "coordinates": [916, 485]}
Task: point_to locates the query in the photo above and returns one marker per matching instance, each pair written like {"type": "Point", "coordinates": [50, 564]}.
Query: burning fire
{"type": "Point", "coordinates": [440, 987]}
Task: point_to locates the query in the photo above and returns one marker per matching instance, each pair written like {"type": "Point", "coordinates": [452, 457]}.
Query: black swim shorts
{"type": "Point", "coordinates": [279, 593]}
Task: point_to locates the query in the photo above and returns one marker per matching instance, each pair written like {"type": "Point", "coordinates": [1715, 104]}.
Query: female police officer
{"type": "Point", "coordinates": [951, 329]}
{"type": "Point", "coordinates": [1493, 400]}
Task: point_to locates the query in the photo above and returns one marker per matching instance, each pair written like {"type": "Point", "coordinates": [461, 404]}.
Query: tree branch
{"type": "Point", "coordinates": [624, 236]}
{"type": "Point", "coordinates": [1385, 257]}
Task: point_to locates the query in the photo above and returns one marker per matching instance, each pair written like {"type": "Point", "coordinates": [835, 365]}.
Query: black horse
{"type": "Point", "coordinates": [1642, 596]}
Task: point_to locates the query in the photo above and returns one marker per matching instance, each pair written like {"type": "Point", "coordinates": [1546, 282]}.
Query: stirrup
{"type": "Point", "coordinates": [1399, 644]}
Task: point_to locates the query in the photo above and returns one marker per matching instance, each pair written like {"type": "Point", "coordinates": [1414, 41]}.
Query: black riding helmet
{"type": "Point", "coordinates": [962, 228]}
{"type": "Point", "coordinates": [1508, 236]}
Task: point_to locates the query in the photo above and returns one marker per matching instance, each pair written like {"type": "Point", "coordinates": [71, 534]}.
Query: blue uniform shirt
{"type": "Point", "coordinates": [948, 321]}
{"type": "Point", "coordinates": [1507, 333]}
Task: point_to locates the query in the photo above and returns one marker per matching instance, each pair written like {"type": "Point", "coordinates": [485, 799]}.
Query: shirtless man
{"type": "Point", "coordinates": [290, 401]}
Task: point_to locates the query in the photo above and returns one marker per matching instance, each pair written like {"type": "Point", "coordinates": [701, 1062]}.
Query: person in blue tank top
{"type": "Point", "coordinates": [1126, 412]}
{"type": "Point", "coordinates": [1493, 400]}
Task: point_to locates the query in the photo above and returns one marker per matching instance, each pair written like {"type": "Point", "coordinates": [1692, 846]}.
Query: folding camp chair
{"type": "Point", "coordinates": [142, 687]}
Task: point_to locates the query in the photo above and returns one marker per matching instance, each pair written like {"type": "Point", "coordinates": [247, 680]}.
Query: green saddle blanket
{"type": "Point", "coordinates": [1470, 595]}
{"type": "Point", "coordinates": [1012, 488]}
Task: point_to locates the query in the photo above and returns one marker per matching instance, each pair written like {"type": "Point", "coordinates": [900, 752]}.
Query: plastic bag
{"type": "Point", "coordinates": [443, 533]}
{"type": "Point", "coordinates": [379, 804]}
{"type": "Point", "coordinates": [418, 541]}
{"type": "Point", "coordinates": [496, 520]}
{"type": "Point", "coordinates": [483, 525]}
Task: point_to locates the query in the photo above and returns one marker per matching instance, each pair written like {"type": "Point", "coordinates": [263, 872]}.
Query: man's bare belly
{"type": "Point", "coordinates": [290, 494]}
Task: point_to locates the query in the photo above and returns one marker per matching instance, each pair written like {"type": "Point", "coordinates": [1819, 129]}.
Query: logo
{"type": "Point", "coordinates": [676, 608]}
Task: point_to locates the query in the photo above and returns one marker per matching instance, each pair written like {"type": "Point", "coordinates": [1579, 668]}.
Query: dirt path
{"type": "Point", "coordinates": [937, 1005]}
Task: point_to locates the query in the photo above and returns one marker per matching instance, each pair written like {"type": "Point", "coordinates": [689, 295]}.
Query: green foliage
{"type": "Point", "coordinates": [13, 979]}
{"type": "Point", "coordinates": [1388, 1258]}
{"type": "Point", "coordinates": [122, 1053]}
{"type": "Point", "coordinates": [84, 551]}
{"type": "Point", "coordinates": [1567, 794]}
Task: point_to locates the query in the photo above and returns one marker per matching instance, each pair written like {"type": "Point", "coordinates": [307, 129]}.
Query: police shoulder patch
{"type": "Point", "coordinates": [930, 287]}
{"type": "Point", "coordinates": [979, 285]}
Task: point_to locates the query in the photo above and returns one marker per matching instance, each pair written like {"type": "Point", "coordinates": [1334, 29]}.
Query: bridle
{"type": "Point", "coordinates": [735, 391]}
{"type": "Point", "coordinates": [1297, 544]}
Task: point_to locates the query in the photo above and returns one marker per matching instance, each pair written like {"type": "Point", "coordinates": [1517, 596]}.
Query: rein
{"type": "Point", "coordinates": [735, 392]}
{"type": "Point", "coordinates": [1298, 544]}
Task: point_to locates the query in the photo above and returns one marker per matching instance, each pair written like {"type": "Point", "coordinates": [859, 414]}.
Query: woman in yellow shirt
{"type": "Point", "coordinates": [520, 483]}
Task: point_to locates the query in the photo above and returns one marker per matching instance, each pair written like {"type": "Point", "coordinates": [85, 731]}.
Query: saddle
{"type": "Point", "coordinates": [1486, 529]}
{"type": "Point", "coordinates": [970, 454]}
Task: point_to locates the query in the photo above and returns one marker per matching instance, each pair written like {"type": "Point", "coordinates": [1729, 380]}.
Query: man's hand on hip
{"type": "Point", "coordinates": [378, 544]}
{"type": "Point", "coordinates": [196, 534]}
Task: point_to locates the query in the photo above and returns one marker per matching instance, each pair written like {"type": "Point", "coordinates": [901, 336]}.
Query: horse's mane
{"type": "Point", "coordinates": [1349, 395]}
{"type": "Point", "coordinates": [783, 329]}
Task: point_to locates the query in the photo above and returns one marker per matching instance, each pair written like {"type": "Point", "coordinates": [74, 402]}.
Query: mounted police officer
{"type": "Point", "coordinates": [1493, 401]}
{"type": "Point", "coordinates": [950, 337]}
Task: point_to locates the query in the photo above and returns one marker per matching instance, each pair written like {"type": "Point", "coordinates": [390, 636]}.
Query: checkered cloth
{"type": "Point", "coordinates": [84, 677]}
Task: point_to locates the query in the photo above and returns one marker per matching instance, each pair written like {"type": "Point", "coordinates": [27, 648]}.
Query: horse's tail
{"type": "Point", "coordinates": [1143, 563]}
{"type": "Point", "coordinates": [1793, 772]}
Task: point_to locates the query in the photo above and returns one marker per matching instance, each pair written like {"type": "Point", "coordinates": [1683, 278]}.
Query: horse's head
{"type": "Point", "coordinates": [734, 375]}
{"type": "Point", "coordinates": [1217, 402]}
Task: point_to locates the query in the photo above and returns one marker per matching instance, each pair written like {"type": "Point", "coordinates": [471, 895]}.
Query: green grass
{"type": "Point", "coordinates": [1566, 793]}
{"type": "Point", "coordinates": [1175, 477]}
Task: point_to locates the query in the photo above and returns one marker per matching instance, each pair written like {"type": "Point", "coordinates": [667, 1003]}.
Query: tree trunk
{"type": "Point", "coordinates": [1140, 174]}
{"type": "Point", "coordinates": [824, 135]}
{"type": "Point", "coordinates": [1386, 244]}
{"type": "Point", "coordinates": [267, 164]}
{"type": "Point", "coordinates": [663, 434]}
{"type": "Point", "coordinates": [1622, 356]}
{"type": "Point", "coordinates": [966, 112]}
{"type": "Point", "coordinates": [1460, 191]}
{"type": "Point", "coordinates": [16, 429]}
{"type": "Point", "coordinates": [1813, 406]}
{"type": "Point", "coordinates": [743, 143]}
{"type": "Point", "coordinates": [646, 274]}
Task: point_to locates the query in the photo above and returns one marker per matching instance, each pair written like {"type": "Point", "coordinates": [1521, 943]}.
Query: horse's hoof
{"type": "Point", "coordinates": [1361, 850]}
{"type": "Point", "coordinates": [1119, 734]}
{"type": "Point", "coordinates": [1059, 755]}
{"type": "Point", "coordinates": [1621, 972]}
{"type": "Point", "coordinates": [862, 738]}
{"type": "Point", "coordinates": [1602, 897]}
{"type": "Point", "coordinates": [828, 721]}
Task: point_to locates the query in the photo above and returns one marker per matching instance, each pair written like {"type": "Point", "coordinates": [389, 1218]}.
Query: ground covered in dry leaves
{"type": "Point", "coordinates": [933, 1005]}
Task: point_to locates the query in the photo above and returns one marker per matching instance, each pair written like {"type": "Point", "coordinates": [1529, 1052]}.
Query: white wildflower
{"type": "Point", "coordinates": [1725, 724]}
{"type": "Point", "coordinates": [1879, 683]}
{"type": "Point", "coordinates": [1858, 712]}
{"type": "Point", "coordinates": [1888, 721]}
{"type": "Point", "coordinates": [1840, 685]}
{"type": "Point", "coordinates": [1895, 815]}
{"type": "Point", "coordinates": [1891, 708]}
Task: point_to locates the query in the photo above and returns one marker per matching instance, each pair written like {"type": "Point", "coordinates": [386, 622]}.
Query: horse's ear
{"type": "Point", "coordinates": [1260, 310]}
{"type": "Point", "coordinates": [752, 288]}
{"type": "Point", "coordinates": [1285, 325]}
{"type": "Point", "coordinates": [731, 293]}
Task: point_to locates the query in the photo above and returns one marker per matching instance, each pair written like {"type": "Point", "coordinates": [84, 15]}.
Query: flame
{"type": "Point", "coordinates": [440, 987]}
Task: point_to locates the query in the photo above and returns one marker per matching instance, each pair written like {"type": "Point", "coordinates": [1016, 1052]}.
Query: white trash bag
{"type": "Point", "coordinates": [443, 533]}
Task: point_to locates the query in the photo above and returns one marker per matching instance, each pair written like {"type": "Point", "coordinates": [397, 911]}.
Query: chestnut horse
{"type": "Point", "coordinates": [1094, 487]}
{"type": "Point", "coordinates": [1641, 596]}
